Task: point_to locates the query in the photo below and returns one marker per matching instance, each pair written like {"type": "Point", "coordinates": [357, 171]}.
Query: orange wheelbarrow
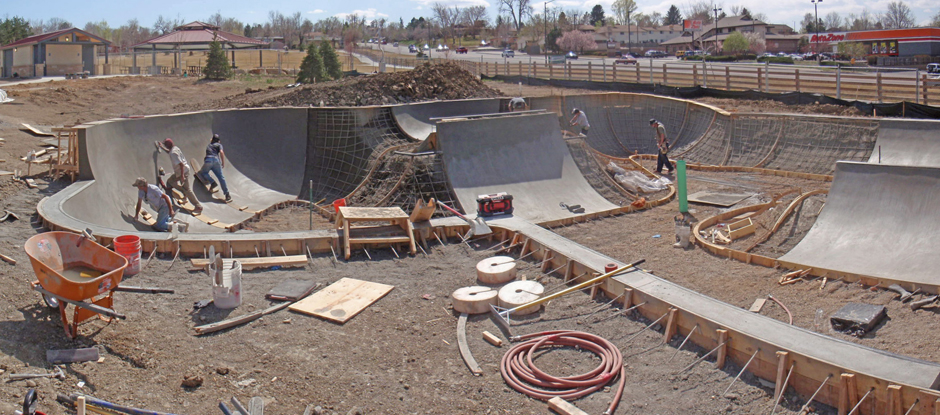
{"type": "Point", "coordinates": [75, 270]}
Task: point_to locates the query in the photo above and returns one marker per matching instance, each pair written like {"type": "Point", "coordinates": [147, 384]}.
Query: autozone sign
{"type": "Point", "coordinates": [828, 37]}
{"type": "Point", "coordinates": [692, 25]}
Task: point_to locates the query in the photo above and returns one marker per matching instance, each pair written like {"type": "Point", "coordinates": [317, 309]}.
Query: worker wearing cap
{"type": "Point", "coordinates": [214, 162]}
{"type": "Point", "coordinates": [518, 104]}
{"type": "Point", "coordinates": [663, 145]}
{"type": "Point", "coordinates": [158, 200]}
{"type": "Point", "coordinates": [181, 171]}
{"type": "Point", "coordinates": [580, 119]}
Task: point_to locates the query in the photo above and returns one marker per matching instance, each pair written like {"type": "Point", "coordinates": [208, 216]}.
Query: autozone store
{"type": "Point", "coordinates": [888, 42]}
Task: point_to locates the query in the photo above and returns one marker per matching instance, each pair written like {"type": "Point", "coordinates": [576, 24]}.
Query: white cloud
{"type": "Point", "coordinates": [369, 14]}
{"type": "Point", "coordinates": [419, 8]}
{"type": "Point", "coordinates": [458, 3]}
{"type": "Point", "coordinates": [317, 11]}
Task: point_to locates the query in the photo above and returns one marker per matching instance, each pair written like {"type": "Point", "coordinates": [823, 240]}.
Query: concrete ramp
{"type": "Point", "coordinates": [415, 119]}
{"type": "Point", "coordinates": [907, 142]}
{"type": "Point", "coordinates": [523, 155]}
{"type": "Point", "coordinates": [878, 221]}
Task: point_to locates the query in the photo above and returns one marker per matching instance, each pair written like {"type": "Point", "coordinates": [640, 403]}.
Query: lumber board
{"type": "Point", "coordinates": [232, 322]}
{"type": "Point", "coordinates": [563, 407]}
{"type": "Point", "coordinates": [492, 339]}
{"type": "Point", "coordinates": [741, 228]}
{"type": "Point", "coordinates": [253, 263]}
{"type": "Point", "coordinates": [464, 348]}
{"type": "Point", "coordinates": [37, 131]}
{"type": "Point", "coordinates": [423, 212]}
{"type": "Point", "coordinates": [758, 305]}
{"type": "Point", "coordinates": [342, 300]}
{"type": "Point", "coordinates": [7, 259]}
{"type": "Point", "coordinates": [379, 240]}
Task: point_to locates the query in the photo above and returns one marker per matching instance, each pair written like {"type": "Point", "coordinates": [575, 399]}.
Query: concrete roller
{"type": "Point", "coordinates": [518, 293]}
{"type": "Point", "coordinates": [474, 300]}
{"type": "Point", "coordinates": [496, 270]}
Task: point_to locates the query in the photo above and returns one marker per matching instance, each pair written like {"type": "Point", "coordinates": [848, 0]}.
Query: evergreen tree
{"type": "Point", "coordinates": [13, 29]}
{"type": "Point", "coordinates": [217, 66]}
{"type": "Point", "coordinates": [597, 15]}
{"type": "Point", "coordinates": [311, 68]}
{"type": "Point", "coordinates": [332, 68]}
{"type": "Point", "coordinates": [673, 16]}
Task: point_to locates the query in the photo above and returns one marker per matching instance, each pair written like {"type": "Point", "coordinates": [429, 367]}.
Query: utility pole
{"type": "Point", "coordinates": [816, 26]}
{"type": "Point", "coordinates": [629, 39]}
{"type": "Point", "coordinates": [717, 10]}
{"type": "Point", "coordinates": [545, 27]}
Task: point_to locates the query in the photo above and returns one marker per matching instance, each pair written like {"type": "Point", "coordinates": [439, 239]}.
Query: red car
{"type": "Point", "coordinates": [626, 59]}
{"type": "Point", "coordinates": [462, 49]}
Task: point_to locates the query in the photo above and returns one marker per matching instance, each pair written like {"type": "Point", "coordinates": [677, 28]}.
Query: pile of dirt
{"type": "Point", "coordinates": [445, 80]}
{"type": "Point", "coordinates": [768, 106]}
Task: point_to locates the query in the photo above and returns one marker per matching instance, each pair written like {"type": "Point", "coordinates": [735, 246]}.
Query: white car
{"type": "Point", "coordinates": [796, 57]}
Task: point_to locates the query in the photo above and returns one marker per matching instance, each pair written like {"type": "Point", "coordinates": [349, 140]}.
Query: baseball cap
{"type": "Point", "coordinates": [216, 136]}
{"type": "Point", "coordinates": [574, 110]}
{"type": "Point", "coordinates": [140, 182]}
{"type": "Point", "coordinates": [653, 121]}
{"type": "Point", "coordinates": [168, 143]}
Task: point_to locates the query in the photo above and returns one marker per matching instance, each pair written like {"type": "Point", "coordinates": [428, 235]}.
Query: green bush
{"type": "Point", "coordinates": [776, 59]}
{"type": "Point", "coordinates": [746, 57]}
{"type": "Point", "coordinates": [693, 58]}
{"type": "Point", "coordinates": [872, 60]}
{"type": "Point", "coordinates": [726, 58]}
{"type": "Point", "coordinates": [217, 67]}
{"type": "Point", "coordinates": [831, 63]}
{"type": "Point", "coordinates": [311, 68]}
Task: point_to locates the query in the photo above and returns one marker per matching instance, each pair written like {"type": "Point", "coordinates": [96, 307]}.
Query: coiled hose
{"type": "Point", "coordinates": [522, 375]}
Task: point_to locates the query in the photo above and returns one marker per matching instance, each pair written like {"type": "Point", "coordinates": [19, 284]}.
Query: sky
{"type": "Point", "coordinates": [118, 12]}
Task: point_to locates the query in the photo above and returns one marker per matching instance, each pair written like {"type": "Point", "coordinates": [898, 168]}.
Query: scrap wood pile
{"type": "Point", "coordinates": [426, 82]}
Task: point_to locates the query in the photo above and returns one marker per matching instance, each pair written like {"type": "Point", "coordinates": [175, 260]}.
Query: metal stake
{"type": "Point", "coordinates": [367, 253]}
{"type": "Point", "coordinates": [741, 372]}
{"type": "Point", "coordinates": [634, 307]}
{"type": "Point", "coordinates": [703, 357]}
{"type": "Point", "coordinates": [783, 390]}
{"type": "Point", "coordinates": [438, 238]}
{"type": "Point", "coordinates": [394, 252]}
{"type": "Point", "coordinates": [860, 401]}
{"type": "Point", "coordinates": [912, 407]}
{"type": "Point", "coordinates": [335, 259]}
{"type": "Point", "coordinates": [556, 269]}
{"type": "Point", "coordinates": [803, 409]}
{"type": "Point", "coordinates": [497, 245]}
{"type": "Point", "coordinates": [646, 328]}
{"type": "Point", "coordinates": [683, 342]}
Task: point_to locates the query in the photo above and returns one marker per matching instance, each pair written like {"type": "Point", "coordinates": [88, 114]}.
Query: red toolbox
{"type": "Point", "coordinates": [494, 204]}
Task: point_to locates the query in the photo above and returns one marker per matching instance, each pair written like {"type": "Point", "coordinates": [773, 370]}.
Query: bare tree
{"type": "Point", "coordinates": [898, 16]}
{"type": "Point", "coordinates": [162, 26]}
{"type": "Point", "coordinates": [474, 18]}
{"type": "Point", "coordinates": [833, 22]}
{"type": "Point", "coordinates": [936, 20]}
{"type": "Point", "coordinates": [518, 10]}
{"type": "Point", "coordinates": [446, 17]}
{"type": "Point", "coordinates": [863, 21]}
{"type": "Point", "coordinates": [622, 10]}
{"type": "Point", "coordinates": [100, 29]}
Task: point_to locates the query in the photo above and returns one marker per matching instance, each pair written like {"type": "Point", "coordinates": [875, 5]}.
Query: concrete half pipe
{"type": "Point", "coordinates": [907, 142]}
{"type": "Point", "coordinates": [523, 155]}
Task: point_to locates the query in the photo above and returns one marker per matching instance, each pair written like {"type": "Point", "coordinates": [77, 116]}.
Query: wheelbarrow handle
{"type": "Point", "coordinates": [88, 306]}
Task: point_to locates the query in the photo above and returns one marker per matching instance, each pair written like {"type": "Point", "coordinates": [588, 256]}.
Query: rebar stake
{"type": "Point", "coordinates": [805, 406]}
{"type": "Point", "coordinates": [783, 390]}
{"type": "Point", "coordinates": [683, 342]}
{"type": "Point", "coordinates": [704, 356]}
{"type": "Point", "coordinates": [646, 328]}
{"type": "Point", "coordinates": [741, 372]}
{"type": "Point", "coordinates": [860, 401]}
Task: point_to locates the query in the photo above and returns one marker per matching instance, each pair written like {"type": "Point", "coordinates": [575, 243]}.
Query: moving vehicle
{"type": "Point", "coordinates": [508, 53]}
{"type": "Point", "coordinates": [571, 55]}
{"type": "Point", "coordinates": [656, 54]}
{"type": "Point", "coordinates": [462, 49]}
{"type": "Point", "coordinates": [933, 70]}
{"type": "Point", "coordinates": [626, 59]}
{"type": "Point", "coordinates": [412, 49]}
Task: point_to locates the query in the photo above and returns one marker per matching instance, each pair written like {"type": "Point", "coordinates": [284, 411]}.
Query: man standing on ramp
{"type": "Point", "coordinates": [518, 104]}
{"type": "Point", "coordinates": [580, 119]}
{"type": "Point", "coordinates": [214, 162]}
{"type": "Point", "coordinates": [181, 171]}
{"type": "Point", "coordinates": [158, 200]}
{"type": "Point", "coordinates": [663, 144]}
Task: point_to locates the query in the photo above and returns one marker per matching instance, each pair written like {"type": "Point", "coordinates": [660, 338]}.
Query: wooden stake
{"type": "Point", "coordinates": [846, 390]}
{"type": "Point", "coordinates": [563, 407]}
{"type": "Point", "coordinates": [80, 405]}
{"type": "Point", "coordinates": [671, 323]}
{"type": "Point", "coordinates": [894, 400]}
{"type": "Point", "coordinates": [723, 350]}
{"type": "Point", "coordinates": [781, 372]}
{"type": "Point", "coordinates": [627, 297]}
{"type": "Point", "coordinates": [7, 259]}
{"type": "Point", "coordinates": [492, 339]}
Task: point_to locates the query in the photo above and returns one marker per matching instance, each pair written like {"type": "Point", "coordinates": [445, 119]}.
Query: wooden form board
{"type": "Point", "coordinates": [253, 263]}
{"type": "Point", "coordinates": [741, 228]}
{"type": "Point", "coordinates": [342, 300]}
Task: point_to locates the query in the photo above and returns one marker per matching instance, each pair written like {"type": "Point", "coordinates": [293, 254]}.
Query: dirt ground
{"type": "Point", "coordinates": [400, 354]}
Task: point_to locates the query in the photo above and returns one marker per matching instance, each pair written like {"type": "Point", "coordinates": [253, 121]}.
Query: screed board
{"type": "Point", "coordinates": [342, 300]}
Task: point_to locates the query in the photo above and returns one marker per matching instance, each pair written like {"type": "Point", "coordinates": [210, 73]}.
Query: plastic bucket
{"type": "Point", "coordinates": [227, 288]}
{"type": "Point", "coordinates": [128, 246]}
{"type": "Point", "coordinates": [339, 203]}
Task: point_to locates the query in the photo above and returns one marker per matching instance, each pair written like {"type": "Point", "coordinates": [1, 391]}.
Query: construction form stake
{"type": "Point", "coordinates": [683, 341]}
{"type": "Point", "coordinates": [860, 401]}
{"type": "Point", "coordinates": [646, 328]}
{"type": "Point", "coordinates": [741, 372]}
{"type": "Point", "coordinates": [704, 356]}
{"type": "Point", "coordinates": [633, 308]}
{"type": "Point", "coordinates": [912, 407]}
{"type": "Point", "coordinates": [806, 405]}
{"type": "Point", "coordinates": [783, 390]}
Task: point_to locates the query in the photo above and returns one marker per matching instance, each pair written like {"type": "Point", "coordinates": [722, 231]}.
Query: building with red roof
{"type": "Point", "coordinates": [195, 36]}
{"type": "Point", "coordinates": [54, 53]}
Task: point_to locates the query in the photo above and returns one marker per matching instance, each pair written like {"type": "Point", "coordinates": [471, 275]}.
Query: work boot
{"type": "Point", "coordinates": [228, 198]}
{"type": "Point", "coordinates": [213, 187]}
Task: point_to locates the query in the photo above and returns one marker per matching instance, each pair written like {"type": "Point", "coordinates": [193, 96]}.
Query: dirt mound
{"type": "Point", "coordinates": [426, 82]}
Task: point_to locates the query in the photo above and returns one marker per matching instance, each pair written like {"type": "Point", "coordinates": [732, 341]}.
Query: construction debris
{"type": "Point", "coordinates": [858, 319]}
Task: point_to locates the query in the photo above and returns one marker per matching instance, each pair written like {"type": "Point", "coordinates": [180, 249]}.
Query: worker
{"type": "Point", "coordinates": [663, 145]}
{"type": "Point", "coordinates": [518, 104]}
{"type": "Point", "coordinates": [214, 162]}
{"type": "Point", "coordinates": [180, 179]}
{"type": "Point", "coordinates": [158, 200]}
{"type": "Point", "coordinates": [580, 118]}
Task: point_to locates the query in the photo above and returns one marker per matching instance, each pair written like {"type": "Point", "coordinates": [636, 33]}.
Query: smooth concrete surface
{"type": "Point", "coordinates": [415, 120]}
{"type": "Point", "coordinates": [879, 221]}
{"type": "Point", "coordinates": [907, 142]}
{"type": "Point", "coordinates": [264, 151]}
{"type": "Point", "coordinates": [523, 155]}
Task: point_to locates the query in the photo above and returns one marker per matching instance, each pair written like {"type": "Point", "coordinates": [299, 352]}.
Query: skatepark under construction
{"type": "Point", "coordinates": [884, 176]}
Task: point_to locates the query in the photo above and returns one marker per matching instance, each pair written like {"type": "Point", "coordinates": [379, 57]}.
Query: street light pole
{"type": "Point", "coordinates": [629, 35]}
{"type": "Point", "coordinates": [816, 26]}
{"type": "Point", "coordinates": [717, 10]}
{"type": "Point", "coordinates": [545, 27]}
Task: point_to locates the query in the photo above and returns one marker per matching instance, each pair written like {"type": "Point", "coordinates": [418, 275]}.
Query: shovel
{"type": "Point", "coordinates": [477, 226]}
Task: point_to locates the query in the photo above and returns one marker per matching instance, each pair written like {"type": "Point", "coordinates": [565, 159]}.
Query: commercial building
{"type": "Point", "coordinates": [887, 42]}
{"type": "Point", "coordinates": [777, 37]}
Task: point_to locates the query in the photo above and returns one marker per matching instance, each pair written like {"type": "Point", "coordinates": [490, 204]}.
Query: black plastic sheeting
{"type": "Point", "coordinates": [900, 109]}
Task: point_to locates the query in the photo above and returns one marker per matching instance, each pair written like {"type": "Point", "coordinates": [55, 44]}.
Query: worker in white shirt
{"type": "Point", "coordinates": [580, 119]}
{"type": "Point", "coordinates": [180, 179]}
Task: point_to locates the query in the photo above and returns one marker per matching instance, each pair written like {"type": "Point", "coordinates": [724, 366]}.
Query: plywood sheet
{"type": "Point", "coordinates": [342, 300]}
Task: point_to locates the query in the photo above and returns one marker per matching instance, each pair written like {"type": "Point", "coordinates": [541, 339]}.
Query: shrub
{"type": "Point", "coordinates": [872, 60]}
{"type": "Point", "coordinates": [311, 68]}
{"type": "Point", "coordinates": [331, 65]}
{"type": "Point", "coordinates": [726, 58]}
{"type": "Point", "coordinates": [776, 59]}
{"type": "Point", "coordinates": [217, 67]}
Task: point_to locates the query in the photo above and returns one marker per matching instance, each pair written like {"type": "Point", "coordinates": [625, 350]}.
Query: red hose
{"type": "Point", "coordinates": [522, 375]}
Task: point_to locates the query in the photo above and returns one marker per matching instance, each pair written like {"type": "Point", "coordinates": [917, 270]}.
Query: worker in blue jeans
{"type": "Point", "coordinates": [158, 200]}
{"type": "Point", "coordinates": [214, 162]}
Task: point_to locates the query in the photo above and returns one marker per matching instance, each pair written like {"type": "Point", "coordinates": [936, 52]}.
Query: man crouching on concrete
{"type": "Point", "coordinates": [158, 200]}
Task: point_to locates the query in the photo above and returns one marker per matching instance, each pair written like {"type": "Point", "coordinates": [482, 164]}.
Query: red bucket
{"type": "Point", "coordinates": [338, 203]}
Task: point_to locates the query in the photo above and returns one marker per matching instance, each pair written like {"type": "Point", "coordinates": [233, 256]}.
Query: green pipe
{"type": "Point", "coordinates": [680, 184]}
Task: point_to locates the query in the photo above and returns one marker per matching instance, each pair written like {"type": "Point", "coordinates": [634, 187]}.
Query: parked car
{"type": "Point", "coordinates": [412, 49]}
{"type": "Point", "coordinates": [484, 43]}
{"type": "Point", "coordinates": [395, 44]}
{"type": "Point", "coordinates": [571, 55]}
{"type": "Point", "coordinates": [426, 47]}
{"type": "Point", "coordinates": [626, 59]}
{"type": "Point", "coordinates": [508, 53]}
{"type": "Point", "coordinates": [656, 54]}
{"type": "Point", "coordinates": [796, 57]}
{"type": "Point", "coordinates": [462, 49]}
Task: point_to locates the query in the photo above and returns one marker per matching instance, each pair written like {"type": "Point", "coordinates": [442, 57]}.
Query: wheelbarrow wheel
{"type": "Point", "coordinates": [51, 302]}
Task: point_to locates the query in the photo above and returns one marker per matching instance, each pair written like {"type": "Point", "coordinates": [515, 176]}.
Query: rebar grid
{"type": "Point", "coordinates": [425, 180]}
{"type": "Point", "coordinates": [813, 145]}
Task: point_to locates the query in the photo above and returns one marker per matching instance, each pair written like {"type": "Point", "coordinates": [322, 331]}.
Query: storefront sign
{"type": "Point", "coordinates": [829, 37]}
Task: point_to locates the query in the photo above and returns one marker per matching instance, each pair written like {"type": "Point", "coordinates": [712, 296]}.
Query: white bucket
{"type": "Point", "coordinates": [227, 288]}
